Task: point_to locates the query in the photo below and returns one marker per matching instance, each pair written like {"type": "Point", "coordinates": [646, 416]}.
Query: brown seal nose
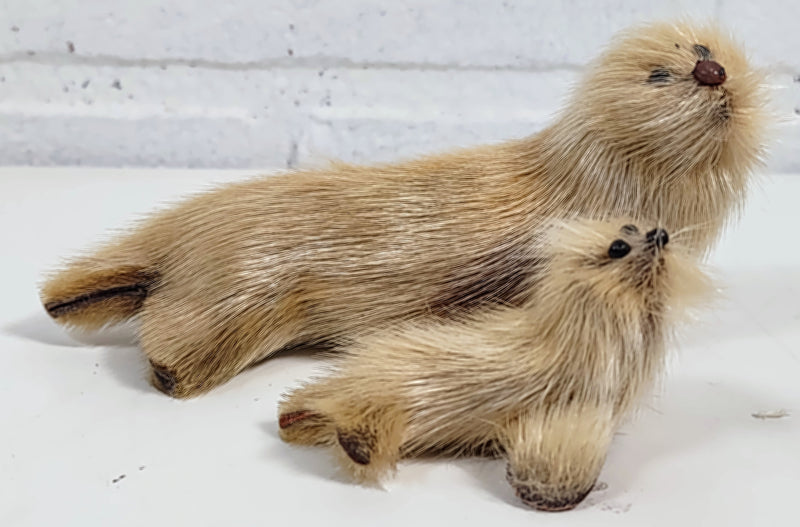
{"type": "Point", "coordinates": [709, 73]}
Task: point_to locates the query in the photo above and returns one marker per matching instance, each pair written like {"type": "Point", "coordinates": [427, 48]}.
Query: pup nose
{"type": "Point", "coordinates": [659, 237]}
{"type": "Point", "coordinates": [709, 73]}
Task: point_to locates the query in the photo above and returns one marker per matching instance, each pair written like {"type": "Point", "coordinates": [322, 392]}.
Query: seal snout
{"type": "Point", "coordinates": [658, 237]}
{"type": "Point", "coordinates": [709, 73]}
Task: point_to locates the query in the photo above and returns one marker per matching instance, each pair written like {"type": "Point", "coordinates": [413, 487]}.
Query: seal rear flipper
{"type": "Point", "coordinates": [91, 293]}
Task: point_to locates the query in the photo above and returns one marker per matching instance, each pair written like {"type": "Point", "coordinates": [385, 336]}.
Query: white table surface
{"type": "Point", "coordinates": [86, 441]}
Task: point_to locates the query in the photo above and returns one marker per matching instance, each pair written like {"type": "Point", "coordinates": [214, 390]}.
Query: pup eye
{"type": "Point", "coordinates": [659, 75]}
{"type": "Point", "coordinates": [618, 249]}
{"type": "Point", "coordinates": [629, 229]}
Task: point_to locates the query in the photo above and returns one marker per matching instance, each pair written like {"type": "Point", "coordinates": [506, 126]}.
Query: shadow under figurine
{"type": "Point", "coordinates": [547, 382]}
{"type": "Point", "coordinates": [666, 125]}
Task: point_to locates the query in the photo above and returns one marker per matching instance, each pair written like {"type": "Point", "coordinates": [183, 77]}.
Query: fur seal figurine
{"type": "Point", "coordinates": [666, 124]}
{"type": "Point", "coordinates": [545, 384]}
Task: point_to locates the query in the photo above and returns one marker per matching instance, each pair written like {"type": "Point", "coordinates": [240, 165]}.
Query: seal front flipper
{"type": "Point", "coordinates": [99, 290]}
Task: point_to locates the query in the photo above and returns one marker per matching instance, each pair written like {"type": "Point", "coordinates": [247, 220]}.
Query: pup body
{"type": "Point", "coordinates": [547, 382]}
{"type": "Point", "coordinates": [232, 276]}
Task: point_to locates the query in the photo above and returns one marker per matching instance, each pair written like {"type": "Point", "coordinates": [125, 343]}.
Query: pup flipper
{"type": "Point", "coordinates": [554, 458]}
{"type": "Point", "coordinates": [366, 435]}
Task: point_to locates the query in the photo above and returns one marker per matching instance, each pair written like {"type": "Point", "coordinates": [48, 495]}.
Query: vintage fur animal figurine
{"type": "Point", "coordinates": [657, 128]}
{"type": "Point", "coordinates": [546, 383]}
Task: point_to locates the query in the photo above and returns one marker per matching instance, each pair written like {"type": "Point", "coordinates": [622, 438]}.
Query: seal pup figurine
{"type": "Point", "coordinates": [545, 384]}
{"type": "Point", "coordinates": [666, 124]}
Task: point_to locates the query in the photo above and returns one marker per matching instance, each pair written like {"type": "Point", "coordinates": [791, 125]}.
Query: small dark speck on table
{"type": "Point", "coordinates": [116, 84]}
{"type": "Point", "coordinates": [797, 78]}
{"type": "Point", "coordinates": [142, 467]}
{"type": "Point", "coordinates": [255, 399]}
{"type": "Point", "coordinates": [15, 29]}
{"type": "Point", "coordinates": [118, 478]}
{"type": "Point", "coordinates": [70, 47]}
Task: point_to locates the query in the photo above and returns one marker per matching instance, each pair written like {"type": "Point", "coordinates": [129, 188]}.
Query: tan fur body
{"type": "Point", "coordinates": [547, 382]}
{"type": "Point", "coordinates": [232, 276]}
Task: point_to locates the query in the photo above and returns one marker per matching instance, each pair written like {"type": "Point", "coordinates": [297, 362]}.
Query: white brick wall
{"type": "Point", "coordinates": [260, 83]}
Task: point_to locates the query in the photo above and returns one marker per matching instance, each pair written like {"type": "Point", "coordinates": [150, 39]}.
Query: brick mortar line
{"type": "Point", "coordinates": [311, 62]}
{"type": "Point", "coordinates": [302, 63]}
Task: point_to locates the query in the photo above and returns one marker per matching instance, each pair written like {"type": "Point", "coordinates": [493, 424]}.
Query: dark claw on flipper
{"type": "Point", "coordinates": [530, 497]}
{"type": "Point", "coordinates": [164, 379]}
{"type": "Point", "coordinates": [548, 501]}
{"type": "Point", "coordinates": [355, 446]}
{"type": "Point", "coordinates": [288, 419]}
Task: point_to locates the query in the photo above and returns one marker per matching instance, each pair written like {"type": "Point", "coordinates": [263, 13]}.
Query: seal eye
{"type": "Point", "coordinates": [703, 52]}
{"type": "Point", "coordinates": [618, 249]}
{"type": "Point", "coordinates": [659, 76]}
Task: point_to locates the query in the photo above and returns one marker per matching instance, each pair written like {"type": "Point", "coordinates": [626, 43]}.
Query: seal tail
{"type": "Point", "coordinates": [99, 290]}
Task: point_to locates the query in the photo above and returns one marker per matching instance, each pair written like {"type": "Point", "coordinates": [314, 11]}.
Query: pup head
{"type": "Point", "coordinates": [619, 270]}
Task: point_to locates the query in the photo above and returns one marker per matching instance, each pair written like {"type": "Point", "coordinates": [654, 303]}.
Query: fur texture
{"type": "Point", "coordinates": [232, 276]}
{"type": "Point", "coordinates": [547, 382]}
